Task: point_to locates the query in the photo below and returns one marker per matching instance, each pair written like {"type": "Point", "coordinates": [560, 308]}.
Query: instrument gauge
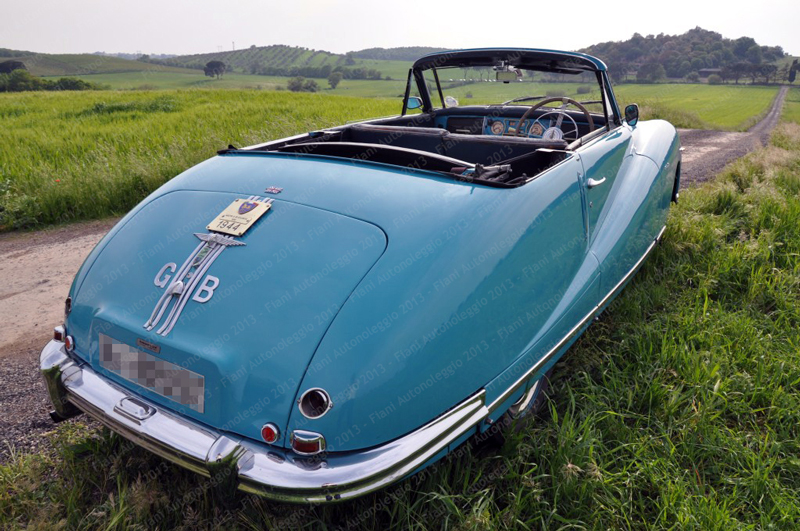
{"type": "Point", "coordinates": [498, 128]}
{"type": "Point", "coordinates": [536, 130]}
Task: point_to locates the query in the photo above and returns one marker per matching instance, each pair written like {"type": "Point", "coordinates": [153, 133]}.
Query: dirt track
{"type": "Point", "coordinates": [707, 152]}
{"type": "Point", "coordinates": [36, 270]}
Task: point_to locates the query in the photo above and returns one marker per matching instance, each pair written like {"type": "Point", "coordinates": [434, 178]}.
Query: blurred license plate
{"type": "Point", "coordinates": [159, 376]}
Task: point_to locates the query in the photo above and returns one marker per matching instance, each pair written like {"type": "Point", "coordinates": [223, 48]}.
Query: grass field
{"type": "Point", "coordinates": [80, 64]}
{"type": "Point", "coordinates": [188, 79]}
{"type": "Point", "coordinates": [73, 156]}
{"type": "Point", "coordinates": [679, 409]}
{"type": "Point", "coordinates": [728, 107]}
{"type": "Point", "coordinates": [82, 155]}
{"type": "Point", "coordinates": [791, 109]}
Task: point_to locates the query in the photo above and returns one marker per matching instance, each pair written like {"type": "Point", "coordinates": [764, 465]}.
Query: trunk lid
{"type": "Point", "coordinates": [249, 331]}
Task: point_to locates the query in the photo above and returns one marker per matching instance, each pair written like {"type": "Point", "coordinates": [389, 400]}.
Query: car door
{"type": "Point", "coordinates": [602, 160]}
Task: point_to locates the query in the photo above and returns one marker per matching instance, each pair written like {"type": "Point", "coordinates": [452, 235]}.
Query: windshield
{"type": "Point", "coordinates": [480, 86]}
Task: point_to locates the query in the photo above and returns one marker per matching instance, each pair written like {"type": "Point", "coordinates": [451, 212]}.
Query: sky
{"type": "Point", "coordinates": [198, 26]}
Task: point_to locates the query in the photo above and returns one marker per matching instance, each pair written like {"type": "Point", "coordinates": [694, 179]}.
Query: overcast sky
{"type": "Point", "coordinates": [197, 26]}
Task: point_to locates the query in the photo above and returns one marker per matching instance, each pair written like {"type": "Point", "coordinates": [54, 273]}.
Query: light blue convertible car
{"type": "Point", "coordinates": [326, 314]}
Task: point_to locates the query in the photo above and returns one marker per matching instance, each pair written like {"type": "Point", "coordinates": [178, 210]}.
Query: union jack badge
{"type": "Point", "coordinates": [273, 190]}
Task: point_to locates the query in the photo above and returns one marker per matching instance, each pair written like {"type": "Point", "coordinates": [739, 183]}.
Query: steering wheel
{"type": "Point", "coordinates": [555, 132]}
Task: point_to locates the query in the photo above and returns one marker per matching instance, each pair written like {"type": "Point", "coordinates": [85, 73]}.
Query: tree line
{"type": "Point", "coordinates": [14, 77]}
{"type": "Point", "coordinates": [657, 57]}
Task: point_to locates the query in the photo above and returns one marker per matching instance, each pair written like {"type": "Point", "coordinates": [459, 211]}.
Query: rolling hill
{"type": "Point", "coordinates": [43, 64]}
{"type": "Point", "coordinates": [283, 60]}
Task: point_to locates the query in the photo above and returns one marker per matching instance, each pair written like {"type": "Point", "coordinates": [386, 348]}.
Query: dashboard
{"type": "Point", "coordinates": [492, 126]}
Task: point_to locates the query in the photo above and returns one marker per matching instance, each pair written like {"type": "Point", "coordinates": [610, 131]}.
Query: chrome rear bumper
{"type": "Point", "coordinates": [257, 468]}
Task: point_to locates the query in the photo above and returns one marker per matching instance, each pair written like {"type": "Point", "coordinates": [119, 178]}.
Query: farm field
{"type": "Point", "coordinates": [102, 151]}
{"type": "Point", "coordinates": [84, 155]}
{"type": "Point", "coordinates": [78, 64]}
{"type": "Point", "coordinates": [187, 79]}
{"type": "Point", "coordinates": [679, 409]}
{"type": "Point", "coordinates": [791, 109]}
{"type": "Point", "coordinates": [727, 107]}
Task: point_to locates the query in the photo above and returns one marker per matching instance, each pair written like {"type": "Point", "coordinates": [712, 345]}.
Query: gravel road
{"type": "Point", "coordinates": [707, 152]}
{"type": "Point", "coordinates": [36, 270]}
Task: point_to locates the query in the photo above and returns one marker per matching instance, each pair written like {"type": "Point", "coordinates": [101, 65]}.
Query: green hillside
{"type": "Point", "coordinates": [43, 64]}
{"type": "Point", "coordinates": [402, 53]}
{"type": "Point", "coordinates": [678, 56]}
{"type": "Point", "coordinates": [280, 60]}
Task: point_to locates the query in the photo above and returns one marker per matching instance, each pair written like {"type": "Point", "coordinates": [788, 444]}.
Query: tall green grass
{"type": "Point", "coordinates": [791, 109]}
{"type": "Point", "coordinates": [679, 409]}
{"type": "Point", "coordinates": [72, 156]}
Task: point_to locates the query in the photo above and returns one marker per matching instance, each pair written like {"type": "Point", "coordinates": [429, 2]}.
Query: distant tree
{"type": "Point", "coordinates": [310, 86]}
{"type": "Point", "coordinates": [792, 72]}
{"type": "Point", "coordinates": [726, 73]}
{"type": "Point", "coordinates": [619, 71]}
{"type": "Point", "coordinates": [21, 80]}
{"type": "Point", "coordinates": [143, 58]}
{"type": "Point", "coordinates": [742, 45]}
{"type": "Point", "coordinates": [753, 72]}
{"type": "Point", "coordinates": [714, 79]}
{"type": "Point", "coordinates": [6, 67]}
{"type": "Point", "coordinates": [768, 72]}
{"type": "Point", "coordinates": [651, 73]}
{"type": "Point", "coordinates": [684, 69]}
{"type": "Point", "coordinates": [214, 69]}
{"type": "Point", "coordinates": [694, 77]}
{"type": "Point", "coordinates": [739, 70]}
{"type": "Point", "coordinates": [296, 84]}
{"type": "Point", "coordinates": [334, 79]}
{"type": "Point", "coordinates": [348, 59]}
{"type": "Point", "coordinates": [754, 54]}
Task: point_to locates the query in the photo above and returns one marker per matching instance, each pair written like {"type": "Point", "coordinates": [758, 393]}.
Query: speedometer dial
{"type": "Point", "coordinates": [498, 128]}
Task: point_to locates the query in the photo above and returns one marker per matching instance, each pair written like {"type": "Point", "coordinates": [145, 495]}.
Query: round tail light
{"type": "Point", "coordinates": [270, 433]}
{"type": "Point", "coordinates": [314, 403]}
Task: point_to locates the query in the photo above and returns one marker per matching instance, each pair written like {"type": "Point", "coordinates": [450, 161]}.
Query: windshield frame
{"type": "Point", "coordinates": [568, 62]}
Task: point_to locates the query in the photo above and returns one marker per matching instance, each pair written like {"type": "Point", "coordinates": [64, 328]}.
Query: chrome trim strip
{"type": "Point", "coordinates": [574, 331]}
{"type": "Point", "coordinates": [274, 472]}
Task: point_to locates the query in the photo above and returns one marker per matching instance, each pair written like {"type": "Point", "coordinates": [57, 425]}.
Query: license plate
{"type": "Point", "coordinates": [238, 217]}
{"type": "Point", "coordinates": [159, 376]}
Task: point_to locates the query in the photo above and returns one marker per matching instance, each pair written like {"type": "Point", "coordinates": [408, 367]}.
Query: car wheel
{"type": "Point", "coordinates": [520, 414]}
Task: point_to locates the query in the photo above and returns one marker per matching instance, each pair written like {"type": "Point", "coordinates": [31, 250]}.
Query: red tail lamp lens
{"type": "Point", "coordinates": [270, 433]}
{"type": "Point", "coordinates": [59, 333]}
{"type": "Point", "coordinates": [307, 442]}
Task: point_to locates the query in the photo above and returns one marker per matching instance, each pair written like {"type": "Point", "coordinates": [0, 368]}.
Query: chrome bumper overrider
{"type": "Point", "coordinates": [272, 472]}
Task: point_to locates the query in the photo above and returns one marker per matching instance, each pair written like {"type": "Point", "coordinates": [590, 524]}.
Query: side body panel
{"type": "Point", "coordinates": [638, 202]}
{"type": "Point", "coordinates": [423, 331]}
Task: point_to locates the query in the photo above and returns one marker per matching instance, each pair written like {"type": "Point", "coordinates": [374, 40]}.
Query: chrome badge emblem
{"type": "Point", "coordinates": [247, 206]}
{"type": "Point", "coordinates": [191, 280]}
{"type": "Point", "coordinates": [186, 282]}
